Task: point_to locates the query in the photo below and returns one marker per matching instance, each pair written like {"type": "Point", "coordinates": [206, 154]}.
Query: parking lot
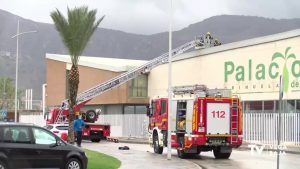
{"type": "Point", "coordinates": [142, 156]}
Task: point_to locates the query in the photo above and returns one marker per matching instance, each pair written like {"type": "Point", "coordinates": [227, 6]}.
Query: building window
{"type": "Point", "coordinates": [297, 106]}
{"type": "Point", "coordinates": [269, 106]}
{"type": "Point", "coordinates": [135, 109]}
{"type": "Point", "coordinates": [139, 86]}
{"type": "Point", "coordinates": [163, 107]}
{"type": "Point", "coordinates": [288, 106]}
{"type": "Point", "coordinates": [254, 106]}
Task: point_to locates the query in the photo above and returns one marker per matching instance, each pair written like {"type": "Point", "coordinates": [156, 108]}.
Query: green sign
{"type": "Point", "coordinates": [260, 72]}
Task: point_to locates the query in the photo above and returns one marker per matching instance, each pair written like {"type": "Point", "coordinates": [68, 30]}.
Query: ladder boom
{"type": "Point", "coordinates": [198, 43]}
{"type": "Point", "coordinates": [131, 74]}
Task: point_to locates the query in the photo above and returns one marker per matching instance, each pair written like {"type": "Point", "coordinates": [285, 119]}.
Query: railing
{"type": "Point", "coordinates": [9, 104]}
{"type": "Point", "coordinates": [261, 128]}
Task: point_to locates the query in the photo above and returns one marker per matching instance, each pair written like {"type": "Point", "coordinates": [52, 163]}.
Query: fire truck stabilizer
{"type": "Point", "coordinates": [202, 120]}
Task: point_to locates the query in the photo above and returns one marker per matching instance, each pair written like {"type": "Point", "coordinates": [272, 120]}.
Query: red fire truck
{"type": "Point", "coordinates": [202, 120]}
{"type": "Point", "coordinates": [92, 131]}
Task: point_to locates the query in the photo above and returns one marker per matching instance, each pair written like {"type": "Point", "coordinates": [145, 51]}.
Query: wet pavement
{"type": "Point", "coordinates": [247, 160]}
{"type": "Point", "coordinates": [140, 156]}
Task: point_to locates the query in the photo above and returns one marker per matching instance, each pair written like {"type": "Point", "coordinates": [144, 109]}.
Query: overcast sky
{"type": "Point", "coordinates": [152, 16]}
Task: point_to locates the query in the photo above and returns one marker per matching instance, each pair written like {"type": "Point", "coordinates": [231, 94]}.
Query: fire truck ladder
{"type": "Point", "coordinates": [60, 118]}
{"type": "Point", "coordinates": [234, 119]}
{"type": "Point", "coordinates": [199, 43]}
{"type": "Point", "coordinates": [189, 89]}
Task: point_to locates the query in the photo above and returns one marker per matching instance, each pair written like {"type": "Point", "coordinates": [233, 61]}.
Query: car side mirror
{"type": "Point", "coordinates": [46, 116]}
{"type": "Point", "coordinates": [148, 111]}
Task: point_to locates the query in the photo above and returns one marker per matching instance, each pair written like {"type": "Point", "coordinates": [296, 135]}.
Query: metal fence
{"type": "Point", "coordinates": [261, 128]}
{"type": "Point", "coordinates": [126, 125]}
{"type": "Point", "coordinates": [9, 104]}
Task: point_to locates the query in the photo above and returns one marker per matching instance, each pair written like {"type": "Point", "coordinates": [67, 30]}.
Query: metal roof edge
{"type": "Point", "coordinates": [240, 44]}
{"type": "Point", "coordinates": [87, 64]}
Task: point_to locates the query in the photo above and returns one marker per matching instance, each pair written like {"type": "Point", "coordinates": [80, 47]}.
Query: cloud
{"type": "Point", "coordinates": [152, 16]}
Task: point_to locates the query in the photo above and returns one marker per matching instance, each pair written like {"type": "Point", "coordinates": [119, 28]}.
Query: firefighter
{"type": "Point", "coordinates": [78, 126]}
{"type": "Point", "coordinates": [217, 42]}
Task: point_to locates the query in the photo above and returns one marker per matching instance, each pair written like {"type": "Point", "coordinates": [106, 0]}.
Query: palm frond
{"type": "Point", "coordinates": [291, 56]}
{"type": "Point", "coordinates": [286, 51]}
{"type": "Point", "coordinates": [77, 30]}
{"type": "Point", "coordinates": [277, 55]}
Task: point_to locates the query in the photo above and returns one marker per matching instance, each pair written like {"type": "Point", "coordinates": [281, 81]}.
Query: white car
{"type": "Point", "coordinates": [58, 129]}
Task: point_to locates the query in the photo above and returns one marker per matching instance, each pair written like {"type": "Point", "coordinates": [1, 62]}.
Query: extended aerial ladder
{"type": "Point", "coordinates": [201, 42]}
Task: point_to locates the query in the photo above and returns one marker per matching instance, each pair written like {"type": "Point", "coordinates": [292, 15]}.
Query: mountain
{"type": "Point", "coordinates": [116, 44]}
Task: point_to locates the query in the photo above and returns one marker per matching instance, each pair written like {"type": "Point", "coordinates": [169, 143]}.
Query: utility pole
{"type": "Point", "coordinates": [170, 84]}
{"type": "Point", "coordinates": [17, 65]}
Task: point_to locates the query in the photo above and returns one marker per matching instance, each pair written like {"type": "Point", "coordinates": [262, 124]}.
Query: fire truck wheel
{"type": "Point", "coordinates": [181, 153]}
{"type": "Point", "coordinates": [157, 149]}
{"type": "Point", "coordinates": [95, 140]}
{"type": "Point", "coordinates": [219, 155]}
{"type": "Point", "coordinates": [91, 115]}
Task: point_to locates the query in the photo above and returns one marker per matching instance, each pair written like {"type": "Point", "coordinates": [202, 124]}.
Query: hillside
{"type": "Point", "coordinates": [116, 44]}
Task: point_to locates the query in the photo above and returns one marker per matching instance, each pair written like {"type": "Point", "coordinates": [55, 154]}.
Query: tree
{"type": "Point", "coordinates": [7, 93]}
{"type": "Point", "coordinates": [285, 71]}
{"type": "Point", "coordinates": [75, 32]}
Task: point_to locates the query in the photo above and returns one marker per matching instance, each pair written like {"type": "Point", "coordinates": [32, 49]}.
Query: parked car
{"type": "Point", "coordinates": [61, 130]}
{"type": "Point", "coordinates": [30, 146]}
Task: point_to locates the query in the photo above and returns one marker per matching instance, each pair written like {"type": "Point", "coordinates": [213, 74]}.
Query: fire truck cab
{"type": "Point", "coordinates": [202, 120]}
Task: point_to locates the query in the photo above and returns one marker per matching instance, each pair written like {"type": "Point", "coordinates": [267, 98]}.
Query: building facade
{"type": "Point", "coordinates": [251, 69]}
{"type": "Point", "coordinates": [122, 107]}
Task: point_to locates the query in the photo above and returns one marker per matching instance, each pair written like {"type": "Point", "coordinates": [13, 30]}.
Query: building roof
{"type": "Point", "coordinates": [240, 44]}
{"type": "Point", "coordinates": [111, 64]}
{"type": "Point", "coordinates": [120, 65]}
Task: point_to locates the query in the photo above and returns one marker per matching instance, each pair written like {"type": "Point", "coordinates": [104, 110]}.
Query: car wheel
{"type": "Point", "coordinates": [2, 165]}
{"type": "Point", "coordinates": [73, 163]}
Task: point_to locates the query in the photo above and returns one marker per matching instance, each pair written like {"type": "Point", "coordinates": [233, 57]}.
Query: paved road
{"type": "Point", "coordinates": [246, 160]}
{"type": "Point", "coordinates": [142, 156]}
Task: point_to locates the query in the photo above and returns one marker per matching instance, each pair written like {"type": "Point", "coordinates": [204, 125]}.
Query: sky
{"type": "Point", "coordinates": [153, 16]}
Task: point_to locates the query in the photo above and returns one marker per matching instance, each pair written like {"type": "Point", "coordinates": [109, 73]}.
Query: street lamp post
{"type": "Point", "coordinates": [170, 84]}
{"type": "Point", "coordinates": [17, 60]}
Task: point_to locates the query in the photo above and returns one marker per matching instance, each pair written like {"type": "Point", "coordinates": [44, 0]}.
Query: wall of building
{"type": "Point", "coordinates": [89, 77]}
{"type": "Point", "coordinates": [131, 122]}
{"type": "Point", "coordinates": [56, 82]}
{"type": "Point", "coordinates": [249, 71]}
{"type": "Point", "coordinates": [32, 117]}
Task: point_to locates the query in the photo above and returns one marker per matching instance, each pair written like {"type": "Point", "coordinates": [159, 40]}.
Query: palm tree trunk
{"type": "Point", "coordinates": [73, 88]}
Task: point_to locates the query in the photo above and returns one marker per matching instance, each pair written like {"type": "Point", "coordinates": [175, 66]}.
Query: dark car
{"type": "Point", "coordinates": [30, 146]}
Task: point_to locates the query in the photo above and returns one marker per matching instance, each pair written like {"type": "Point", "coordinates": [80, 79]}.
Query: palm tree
{"type": "Point", "coordinates": [285, 71]}
{"type": "Point", "coordinates": [75, 32]}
